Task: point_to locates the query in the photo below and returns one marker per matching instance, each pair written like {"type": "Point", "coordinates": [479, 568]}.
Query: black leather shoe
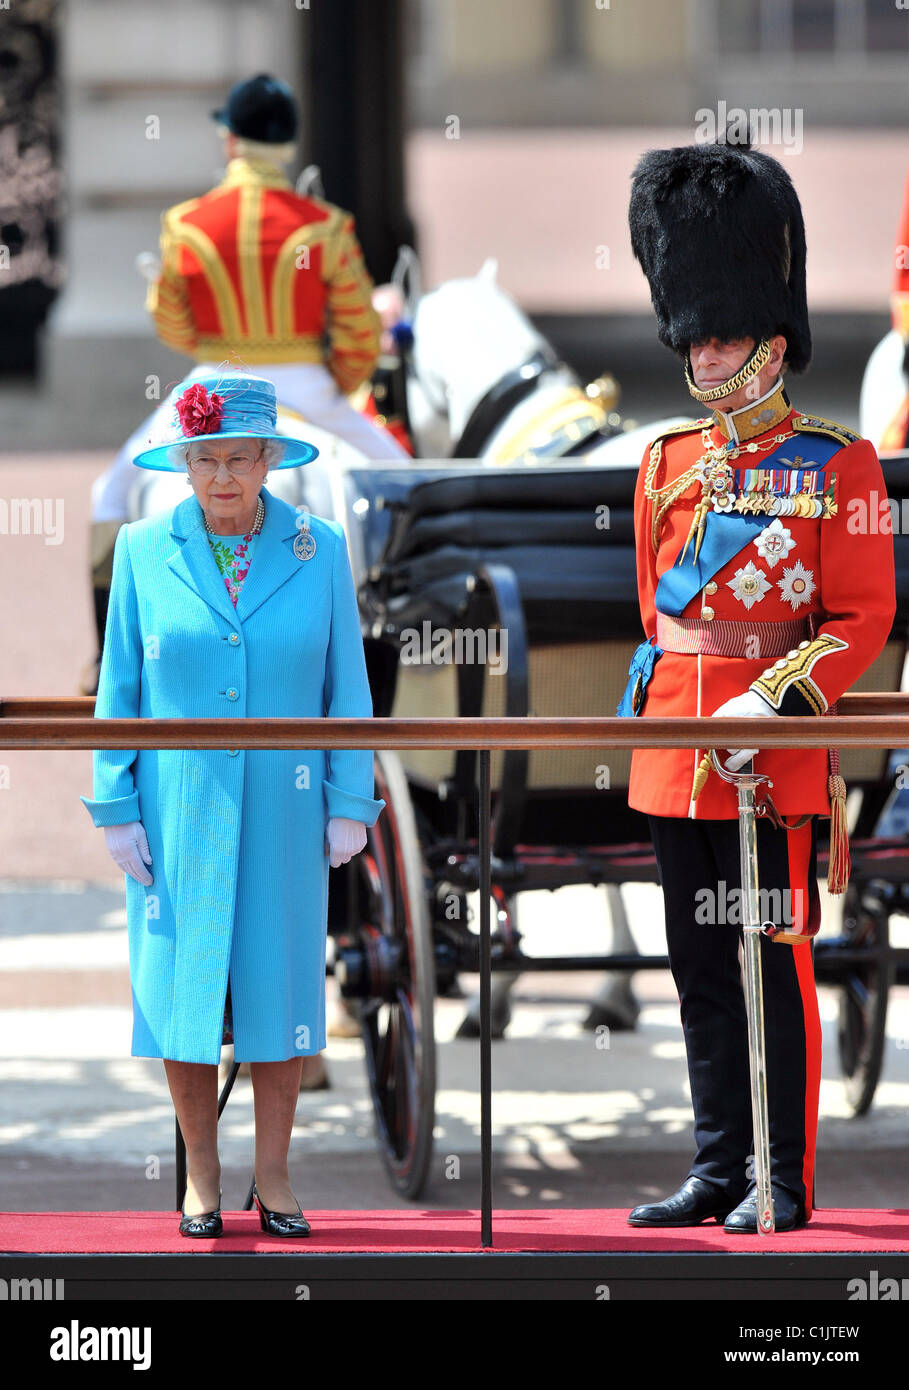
{"type": "Point", "coordinates": [695, 1201]}
{"type": "Point", "coordinates": [788, 1214]}
{"type": "Point", "coordinates": [207, 1224]}
{"type": "Point", "coordinates": [277, 1223]}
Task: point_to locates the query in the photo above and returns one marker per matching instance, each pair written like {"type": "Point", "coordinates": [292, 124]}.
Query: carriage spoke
{"type": "Point", "coordinates": [857, 990]}
{"type": "Point", "coordinates": [393, 1099]}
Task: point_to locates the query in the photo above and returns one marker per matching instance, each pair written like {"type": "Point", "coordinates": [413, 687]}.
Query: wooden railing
{"type": "Point", "coordinates": [872, 720]}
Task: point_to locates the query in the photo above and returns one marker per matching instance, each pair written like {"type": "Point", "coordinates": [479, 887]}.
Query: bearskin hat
{"type": "Point", "coordinates": [719, 234]}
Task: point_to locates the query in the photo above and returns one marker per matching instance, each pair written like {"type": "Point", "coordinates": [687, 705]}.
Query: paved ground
{"type": "Point", "coordinates": [84, 1125]}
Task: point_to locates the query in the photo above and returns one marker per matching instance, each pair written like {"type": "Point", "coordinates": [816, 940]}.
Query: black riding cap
{"type": "Point", "coordinates": [260, 108]}
{"type": "Point", "coordinates": [719, 234]}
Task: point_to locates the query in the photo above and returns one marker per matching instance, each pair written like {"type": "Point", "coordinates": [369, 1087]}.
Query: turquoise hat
{"type": "Point", "coordinates": [224, 405]}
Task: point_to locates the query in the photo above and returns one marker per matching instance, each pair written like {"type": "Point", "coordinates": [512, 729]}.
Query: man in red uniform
{"type": "Point", "coordinates": [760, 595]}
{"type": "Point", "coordinates": [255, 270]}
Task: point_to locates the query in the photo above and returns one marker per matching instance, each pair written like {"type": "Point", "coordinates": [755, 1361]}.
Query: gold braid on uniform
{"type": "Point", "coordinates": [665, 496]}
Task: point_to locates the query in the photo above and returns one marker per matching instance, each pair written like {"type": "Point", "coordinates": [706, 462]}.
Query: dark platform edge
{"type": "Point", "coordinates": [299, 1274]}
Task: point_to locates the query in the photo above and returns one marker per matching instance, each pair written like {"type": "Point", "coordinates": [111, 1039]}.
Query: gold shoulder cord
{"type": "Point", "coordinates": [665, 496]}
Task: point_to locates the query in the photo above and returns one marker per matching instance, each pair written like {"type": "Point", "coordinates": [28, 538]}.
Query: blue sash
{"type": "Point", "coordinates": [727, 533]}
{"type": "Point", "coordinates": [724, 536]}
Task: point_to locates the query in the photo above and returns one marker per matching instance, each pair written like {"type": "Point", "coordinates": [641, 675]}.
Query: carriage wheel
{"type": "Point", "coordinates": [865, 989]}
{"type": "Point", "coordinates": [389, 969]}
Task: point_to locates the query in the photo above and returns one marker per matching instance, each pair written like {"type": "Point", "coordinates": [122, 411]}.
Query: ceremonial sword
{"type": "Point", "coordinates": [745, 783]}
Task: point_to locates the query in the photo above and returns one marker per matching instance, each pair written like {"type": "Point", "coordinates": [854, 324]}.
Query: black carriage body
{"type": "Point", "coordinates": [545, 555]}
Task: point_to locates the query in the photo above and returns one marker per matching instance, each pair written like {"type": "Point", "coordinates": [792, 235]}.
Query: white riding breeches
{"type": "Point", "coordinates": [310, 388]}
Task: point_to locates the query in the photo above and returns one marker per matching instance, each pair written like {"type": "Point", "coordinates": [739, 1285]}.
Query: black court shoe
{"type": "Point", "coordinates": [788, 1213]}
{"type": "Point", "coordinates": [695, 1201]}
{"type": "Point", "coordinates": [206, 1225]}
{"type": "Point", "coordinates": [276, 1223]}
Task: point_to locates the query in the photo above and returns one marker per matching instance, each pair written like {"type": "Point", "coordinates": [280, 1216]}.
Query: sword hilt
{"type": "Point", "coordinates": [711, 760]}
{"type": "Point", "coordinates": [742, 777]}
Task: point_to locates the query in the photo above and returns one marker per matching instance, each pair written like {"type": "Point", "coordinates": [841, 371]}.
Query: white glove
{"type": "Point", "coordinates": [148, 266]}
{"type": "Point", "coordinates": [751, 705]}
{"type": "Point", "coordinates": [345, 839]}
{"type": "Point", "coordinates": [128, 846]}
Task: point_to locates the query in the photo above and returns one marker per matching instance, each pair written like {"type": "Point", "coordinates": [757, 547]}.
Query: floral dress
{"type": "Point", "coordinates": [232, 556]}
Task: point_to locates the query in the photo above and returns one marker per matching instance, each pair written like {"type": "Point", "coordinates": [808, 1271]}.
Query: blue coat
{"type": "Point", "coordinates": [237, 837]}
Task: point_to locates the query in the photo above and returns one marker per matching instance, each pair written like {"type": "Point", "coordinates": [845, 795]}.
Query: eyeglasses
{"type": "Point", "coordinates": [206, 468]}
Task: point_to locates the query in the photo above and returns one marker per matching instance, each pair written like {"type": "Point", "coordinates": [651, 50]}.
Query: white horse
{"type": "Point", "coordinates": [471, 343]}
{"type": "Point", "coordinates": [884, 387]}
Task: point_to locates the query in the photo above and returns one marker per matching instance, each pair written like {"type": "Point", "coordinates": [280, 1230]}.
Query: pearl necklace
{"type": "Point", "coordinates": [256, 526]}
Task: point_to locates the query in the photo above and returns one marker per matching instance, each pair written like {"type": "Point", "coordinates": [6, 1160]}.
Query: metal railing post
{"type": "Point", "coordinates": [485, 1005]}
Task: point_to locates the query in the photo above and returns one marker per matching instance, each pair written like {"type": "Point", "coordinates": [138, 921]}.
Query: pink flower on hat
{"type": "Point", "coordinates": [199, 412]}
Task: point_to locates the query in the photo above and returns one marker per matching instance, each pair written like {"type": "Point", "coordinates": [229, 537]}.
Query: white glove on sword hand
{"type": "Point", "coordinates": [751, 705]}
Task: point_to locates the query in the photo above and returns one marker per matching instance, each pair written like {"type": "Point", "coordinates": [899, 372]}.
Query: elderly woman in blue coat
{"type": "Point", "coordinates": [231, 604]}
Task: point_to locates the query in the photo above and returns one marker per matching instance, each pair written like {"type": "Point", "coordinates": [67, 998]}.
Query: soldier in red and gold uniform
{"type": "Point", "coordinates": [252, 269]}
{"type": "Point", "coordinates": [762, 593]}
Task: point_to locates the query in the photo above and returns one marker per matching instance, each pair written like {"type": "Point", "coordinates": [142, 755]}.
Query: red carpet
{"type": "Point", "coordinates": [393, 1232]}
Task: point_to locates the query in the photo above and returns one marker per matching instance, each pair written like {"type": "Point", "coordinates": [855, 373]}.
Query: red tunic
{"type": "Point", "coordinates": [251, 268]}
{"type": "Point", "coordinates": [846, 556]}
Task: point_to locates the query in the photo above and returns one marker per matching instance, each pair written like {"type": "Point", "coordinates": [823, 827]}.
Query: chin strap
{"type": "Point", "coordinates": [758, 360]}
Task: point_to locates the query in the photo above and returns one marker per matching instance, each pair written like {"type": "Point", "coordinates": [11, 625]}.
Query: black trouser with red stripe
{"type": "Point", "coordinates": [701, 877]}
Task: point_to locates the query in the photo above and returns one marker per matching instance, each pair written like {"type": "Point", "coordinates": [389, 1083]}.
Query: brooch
{"type": "Point", "coordinates": [304, 541]}
{"type": "Point", "coordinates": [797, 584]}
{"type": "Point", "coordinates": [774, 543]}
{"type": "Point", "coordinates": [717, 484]}
{"type": "Point", "coordinates": [750, 584]}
